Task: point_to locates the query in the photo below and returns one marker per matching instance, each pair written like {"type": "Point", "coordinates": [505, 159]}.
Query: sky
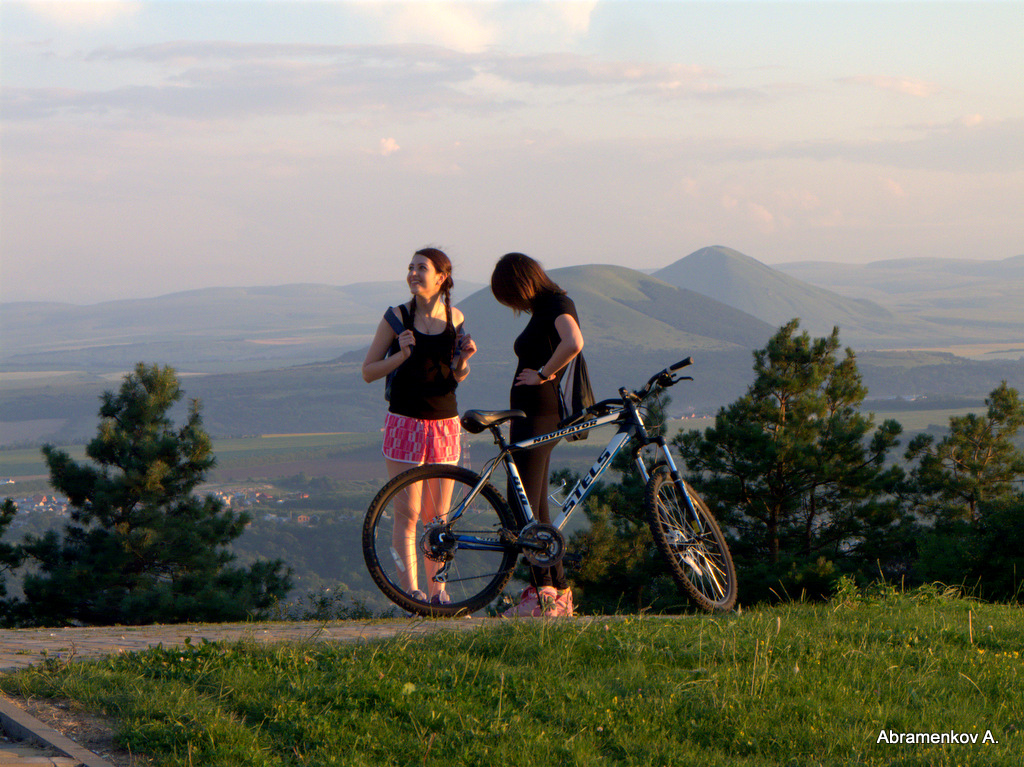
{"type": "Point", "coordinates": [156, 146]}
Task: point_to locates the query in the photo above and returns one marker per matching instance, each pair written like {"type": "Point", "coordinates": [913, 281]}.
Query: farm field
{"type": "Point", "coordinates": [354, 455]}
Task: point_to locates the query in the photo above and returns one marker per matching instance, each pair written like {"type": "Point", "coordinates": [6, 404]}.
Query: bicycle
{"type": "Point", "coordinates": [471, 546]}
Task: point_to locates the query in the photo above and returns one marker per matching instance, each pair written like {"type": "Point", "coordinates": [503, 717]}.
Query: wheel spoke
{"type": "Point", "coordinates": [408, 540]}
{"type": "Point", "coordinates": [692, 543]}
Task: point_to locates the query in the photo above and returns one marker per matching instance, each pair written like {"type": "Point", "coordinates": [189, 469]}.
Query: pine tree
{"type": "Point", "coordinates": [10, 556]}
{"type": "Point", "coordinates": [969, 485]}
{"type": "Point", "coordinates": [976, 462]}
{"type": "Point", "coordinates": [792, 467]}
{"type": "Point", "coordinates": [141, 546]}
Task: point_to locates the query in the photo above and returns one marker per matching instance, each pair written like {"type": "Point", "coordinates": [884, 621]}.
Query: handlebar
{"type": "Point", "coordinates": [663, 378]}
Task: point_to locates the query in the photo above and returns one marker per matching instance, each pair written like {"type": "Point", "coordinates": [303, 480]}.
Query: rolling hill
{"type": "Point", "coordinates": [622, 309]}
{"type": "Point", "coordinates": [983, 295]}
{"type": "Point", "coordinates": [740, 281]}
{"type": "Point", "coordinates": [286, 359]}
{"type": "Point", "coordinates": [911, 303]}
{"type": "Point", "coordinates": [209, 330]}
{"type": "Point", "coordinates": [634, 324]}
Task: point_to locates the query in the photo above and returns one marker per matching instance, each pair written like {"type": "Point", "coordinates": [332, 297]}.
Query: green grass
{"type": "Point", "coordinates": [797, 684]}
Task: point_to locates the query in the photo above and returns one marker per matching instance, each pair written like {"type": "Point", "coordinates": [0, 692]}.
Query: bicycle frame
{"type": "Point", "coordinates": [624, 412]}
{"type": "Point", "coordinates": [493, 531]}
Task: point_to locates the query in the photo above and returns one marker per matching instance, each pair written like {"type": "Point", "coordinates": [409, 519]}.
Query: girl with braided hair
{"type": "Point", "coordinates": [422, 343]}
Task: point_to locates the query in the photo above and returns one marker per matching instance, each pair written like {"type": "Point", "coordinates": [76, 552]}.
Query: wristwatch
{"type": "Point", "coordinates": [540, 372]}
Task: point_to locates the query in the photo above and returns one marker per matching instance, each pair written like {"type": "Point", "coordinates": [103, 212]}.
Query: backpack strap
{"type": "Point", "coordinates": [397, 326]}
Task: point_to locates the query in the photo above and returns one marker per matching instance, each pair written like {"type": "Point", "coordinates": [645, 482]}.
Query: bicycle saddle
{"type": "Point", "coordinates": [475, 421]}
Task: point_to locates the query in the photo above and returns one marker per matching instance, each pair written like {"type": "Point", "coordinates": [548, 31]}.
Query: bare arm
{"type": "Point", "coordinates": [467, 349]}
{"type": "Point", "coordinates": [377, 364]}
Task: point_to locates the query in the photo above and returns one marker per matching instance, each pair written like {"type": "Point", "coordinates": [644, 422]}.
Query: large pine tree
{"type": "Point", "coordinates": [794, 469]}
{"type": "Point", "coordinates": [141, 546]}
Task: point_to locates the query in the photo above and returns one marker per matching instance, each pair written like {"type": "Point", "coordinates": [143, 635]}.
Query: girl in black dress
{"type": "Point", "coordinates": [548, 343]}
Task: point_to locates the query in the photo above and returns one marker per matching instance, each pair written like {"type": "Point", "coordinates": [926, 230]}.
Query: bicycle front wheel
{"type": "Point", "coordinates": [426, 560]}
{"type": "Point", "coordinates": [691, 542]}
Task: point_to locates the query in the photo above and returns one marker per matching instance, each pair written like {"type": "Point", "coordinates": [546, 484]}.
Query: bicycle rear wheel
{"type": "Point", "coordinates": [408, 539]}
{"type": "Point", "coordinates": [692, 543]}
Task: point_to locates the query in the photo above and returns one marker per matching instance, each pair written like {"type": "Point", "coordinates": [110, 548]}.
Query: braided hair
{"type": "Point", "coordinates": [443, 265]}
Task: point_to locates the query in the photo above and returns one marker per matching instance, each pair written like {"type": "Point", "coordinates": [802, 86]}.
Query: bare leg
{"type": "Point", "coordinates": [403, 535]}
{"type": "Point", "coordinates": [435, 503]}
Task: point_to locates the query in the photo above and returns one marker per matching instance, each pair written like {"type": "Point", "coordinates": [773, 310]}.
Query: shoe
{"type": "Point", "coordinates": [419, 596]}
{"type": "Point", "coordinates": [562, 606]}
{"type": "Point", "coordinates": [547, 596]}
{"type": "Point", "coordinates": [440, 598]}
{"type": "Point", "coordinates": [526, 606]}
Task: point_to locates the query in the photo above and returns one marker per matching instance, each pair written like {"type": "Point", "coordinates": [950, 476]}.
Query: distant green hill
{"type": "Point", "coordinates": [209, 330]}
{"type": "Point", "coordinates": [623, 309]}
{"type": "Point", "coordinates": [634, 325]}
{"type": "Point", "coordinates": [740, 281]}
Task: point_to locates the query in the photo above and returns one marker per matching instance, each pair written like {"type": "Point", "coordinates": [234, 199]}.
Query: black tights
{"type": "Point", "coordinates": [534, 467]}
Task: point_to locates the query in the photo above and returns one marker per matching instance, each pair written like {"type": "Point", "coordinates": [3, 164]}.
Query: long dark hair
{"type": "Point", "coordinates": [517, 279]}
{"type": "Point", "coordinates": [443, 265]}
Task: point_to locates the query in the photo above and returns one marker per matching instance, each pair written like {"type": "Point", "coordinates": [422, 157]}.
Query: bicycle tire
{"type": "Point", "coordinates": [695, 549]}
{"type": "Point", "coordinates": [473, 578]}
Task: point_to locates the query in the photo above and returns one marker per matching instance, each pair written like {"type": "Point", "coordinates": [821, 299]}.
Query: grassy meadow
{"type": "Point", "coordinates": [798, 684]}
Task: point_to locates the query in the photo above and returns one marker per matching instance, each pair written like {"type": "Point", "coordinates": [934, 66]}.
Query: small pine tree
{"type": "Point", "coordinates": [141, 547]}
{"type": "Point", "coordinates": [976, 462]}
{"type": "Point", "coordinates": [10, 556]}
{"type": "Point", "coordinates": [969, 485]}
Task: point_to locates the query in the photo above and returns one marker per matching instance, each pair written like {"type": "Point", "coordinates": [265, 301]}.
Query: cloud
{"type": "Point", "coordinates": [893, 187]}
{"type": "Point", "coordinates": [471, 27]}
{"type": "Point", "coordinates": [459, 26]}
{"type": "Point", "coordinates": [388, 146]}
{"type": "Point", "coordinates": [970, 145]}
{"type": "Point", "coordinates": [570, 69]}
{"type": "Point", "coordinates": [763, 218]}
{"type": "Point", "coordinates": [83, 13]}
{"type": "Point", "coordinates": [904, 85]}
{"type": "Point", "coordinates": [213, 80]}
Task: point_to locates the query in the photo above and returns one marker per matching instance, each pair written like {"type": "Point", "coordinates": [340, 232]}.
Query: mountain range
{"type": "Point", "coordinates": [286, 358]}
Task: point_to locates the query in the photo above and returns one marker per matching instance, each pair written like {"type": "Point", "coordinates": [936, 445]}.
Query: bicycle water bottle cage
{"type": "Point", "coordinates": [475, 421]}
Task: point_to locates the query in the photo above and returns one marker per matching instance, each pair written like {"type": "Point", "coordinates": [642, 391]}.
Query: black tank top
{"type": "Point", "coordinates": [424, 385]}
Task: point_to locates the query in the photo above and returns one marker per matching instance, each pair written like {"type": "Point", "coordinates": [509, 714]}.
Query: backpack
{"type": "Point", "coordinates": [575, 395]}
{"type": "Point", "coordinates": [398, 327]}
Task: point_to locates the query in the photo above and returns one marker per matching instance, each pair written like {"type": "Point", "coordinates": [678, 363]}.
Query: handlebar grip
{"type": "Point", "coordinates": [682, 363]}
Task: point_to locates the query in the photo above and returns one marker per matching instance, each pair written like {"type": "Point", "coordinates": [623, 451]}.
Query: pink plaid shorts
{"type": "Point", "coordinates": [411, 440]}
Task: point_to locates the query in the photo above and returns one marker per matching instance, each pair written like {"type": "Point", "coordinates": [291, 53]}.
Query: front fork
{"type": "Point", "coordinates": [677, 479]}
{"type": "Point", "coordinates": [666, 458]}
